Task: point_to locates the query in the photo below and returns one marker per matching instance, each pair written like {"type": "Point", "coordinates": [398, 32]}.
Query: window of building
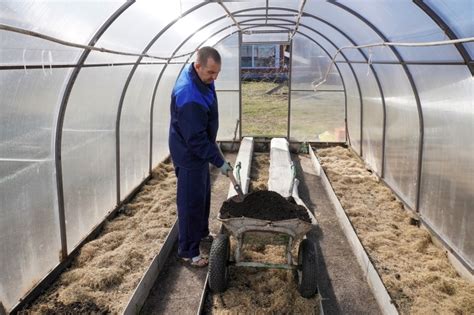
{"type": "Point", "coordinates": [260, 56]}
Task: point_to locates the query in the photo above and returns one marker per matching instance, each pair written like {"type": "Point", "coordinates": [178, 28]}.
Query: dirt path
{"type": "Point", "coordinates": [416, 273]}
{"type": "Point", "coordinates": [178, 288]}
{"type": "Point", "coordinates": [342, 286]}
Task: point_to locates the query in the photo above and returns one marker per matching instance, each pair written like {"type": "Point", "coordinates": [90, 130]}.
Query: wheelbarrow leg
{"type": "Point", "coordinates": [240, 243]}
{"type": "Point", "coordinates": [289, 246]}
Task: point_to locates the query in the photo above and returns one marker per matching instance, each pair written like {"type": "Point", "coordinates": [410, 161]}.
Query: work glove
{"type": "Point", "coordinates": [225, 168]}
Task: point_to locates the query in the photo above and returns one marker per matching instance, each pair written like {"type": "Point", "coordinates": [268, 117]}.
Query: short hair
{"type": "Point", "coordinates": [206, 52]}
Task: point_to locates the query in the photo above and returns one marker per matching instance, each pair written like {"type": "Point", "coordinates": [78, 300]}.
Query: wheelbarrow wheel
{"type": "Point", "coordinates": [306, 273]}
{"type": "Point", "coordinates": [218, 263]}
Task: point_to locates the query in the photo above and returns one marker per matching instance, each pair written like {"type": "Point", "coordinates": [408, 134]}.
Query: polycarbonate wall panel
{"type": "Point", "coordinates": [229, 76]}
{"type": "Point", "coordinates": [29, 224]}
{"type": "Point", "coordinates": [459, 17]}
{"type": "Point", "coordinates": [228, 115]}
{"type": "Point", "coordinates": [317, 116]}
{"type": "Point", "coordinates": [402, 132]}
{"type": "Point", "coordinates": [352, 26]}
{"type": "Point", "coordinates": [74, 21]}
{"type": "Point", "coordinates": [310, 65]}
{"type": "Point", "coordinates": [184, 27]}
{"type": "Point", "coordinates": [88, 149]}
{"type": "Point", "coordinates": [447, 184]}
{"type": "Point", "coordinates": [134, 29]}
{"type": "Point", "coordinates": [372, 117]}
{"type": "Point", "coordinates": [29, 227]}
{"type": "Point", "coordinates": [135, 128]}
{"type": "Point", "coordinates": [353, 107]}
{"type": "Point", "coordinates": [161, 113]}
{"type": "Point", "coordinates": [404, 21]}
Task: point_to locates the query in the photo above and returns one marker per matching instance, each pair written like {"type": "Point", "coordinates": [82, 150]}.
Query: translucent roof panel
{"type": "Point", "coordinates": [201, 36]}
{"type": "Point", "coordinates": [339, 39]}
{"type": "Point", "coordinates": [178, 32]}
{"type": "Point", "coordinates": [244, 5]}
{"type": "Point", "coordinates": [293, 4]}
{"type": "Point", "coordinates": [404, 21]}
{"type": "Point", "coordinates": [459, 16]}
{"type": "Point", "coordinates": [266, 37]}
{"type": "Point", "coordinates": [217, 38]}
{"type": "Point", "coordinates": [74, 21]}
{"type": "Point", "coordinates": [126, 34]}
{"type": "Point", "coordinates": [249, 14]}
{"type": "Point", "coordinates": [351, 26]}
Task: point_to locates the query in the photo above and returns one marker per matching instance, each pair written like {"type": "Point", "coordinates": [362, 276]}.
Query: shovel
{"type": "Point", "coordinates": [240, 194]}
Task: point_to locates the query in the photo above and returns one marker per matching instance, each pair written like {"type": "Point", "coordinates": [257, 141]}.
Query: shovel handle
{"type": "Point", "coordinates": [236, 184]}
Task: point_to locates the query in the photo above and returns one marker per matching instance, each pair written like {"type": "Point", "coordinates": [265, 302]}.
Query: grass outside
{"type": "Point", "coordinates": [314, 116]}
{"type": "Point", "coordinates": [264, 114]}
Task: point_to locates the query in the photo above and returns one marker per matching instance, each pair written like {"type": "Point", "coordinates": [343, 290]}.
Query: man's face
{"type": "Point", "coordinates": [208, 73]}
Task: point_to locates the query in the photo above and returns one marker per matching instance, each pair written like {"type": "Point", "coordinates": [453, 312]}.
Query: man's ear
{"type": "Point", "coordinates": [197, 66]}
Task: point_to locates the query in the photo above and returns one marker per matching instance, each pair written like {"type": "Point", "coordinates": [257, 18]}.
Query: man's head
{"type": "Point", "coordinates": [208, 64]}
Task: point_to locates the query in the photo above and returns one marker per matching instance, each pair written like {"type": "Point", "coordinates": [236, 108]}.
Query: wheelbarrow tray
{"type": "Point", "coordinates": [296, 228]}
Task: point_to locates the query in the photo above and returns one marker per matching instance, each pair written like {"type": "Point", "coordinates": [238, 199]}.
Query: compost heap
{"type": "Point", "coordinates": [264, 205]}
{"type": "Point", "coordinates": [415, 271]}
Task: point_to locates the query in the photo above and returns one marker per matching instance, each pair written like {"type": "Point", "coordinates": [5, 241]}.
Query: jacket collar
{"type": "Point", "coordinates": [201, 85]}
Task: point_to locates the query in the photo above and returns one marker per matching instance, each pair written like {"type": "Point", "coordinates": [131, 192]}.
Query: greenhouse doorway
{"type": "Point", "coordinates": [265, 77]}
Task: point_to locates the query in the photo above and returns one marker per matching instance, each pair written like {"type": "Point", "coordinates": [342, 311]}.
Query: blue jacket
{"type": "Point", "coordinates": [194, 122]}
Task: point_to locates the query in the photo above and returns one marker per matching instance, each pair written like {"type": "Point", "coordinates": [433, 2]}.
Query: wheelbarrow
{"type": "Point", "coordinates": [303, 267]}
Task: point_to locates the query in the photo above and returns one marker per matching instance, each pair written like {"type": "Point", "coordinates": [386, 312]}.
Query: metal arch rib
{"type": "Point", "coordinates": [60, 122]}
{"type": "Point", "coordinates": [448, 31]}
{"type": "Point", "coordinates": [414, 89]}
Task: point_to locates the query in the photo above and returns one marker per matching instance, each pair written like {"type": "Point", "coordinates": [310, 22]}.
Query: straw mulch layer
{"type": "Point", "coordinates": [108, 269]}
{"type": "Point", "coordinates": [416, 273]}
{"type": "Point", "coordinates": [261, 291]}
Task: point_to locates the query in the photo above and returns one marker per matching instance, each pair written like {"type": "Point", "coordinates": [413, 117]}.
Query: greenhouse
{"type": "Point", "coordinates": [338, 168]}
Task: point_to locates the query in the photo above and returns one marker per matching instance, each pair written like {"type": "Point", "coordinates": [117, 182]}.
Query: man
{"type": "Point", "coordinates": [192, 142]}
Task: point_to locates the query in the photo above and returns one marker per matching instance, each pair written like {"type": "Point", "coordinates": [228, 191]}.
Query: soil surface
{"type": "Point", "coordinates": [264, 205]}
{"type": "Point", "coordinates": [87, 307]}
{"type": "Point", "coordinates": [416, 272]}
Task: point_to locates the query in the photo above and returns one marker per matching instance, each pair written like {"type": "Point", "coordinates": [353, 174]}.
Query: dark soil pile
{"type": "Point", "coordinates": [87, 307]}
{"type": "Point", "coordinates": [264, 205]}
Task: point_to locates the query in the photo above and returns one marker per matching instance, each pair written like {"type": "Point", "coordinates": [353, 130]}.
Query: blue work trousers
{"type": "Point", "coordinates": [193, 201]}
